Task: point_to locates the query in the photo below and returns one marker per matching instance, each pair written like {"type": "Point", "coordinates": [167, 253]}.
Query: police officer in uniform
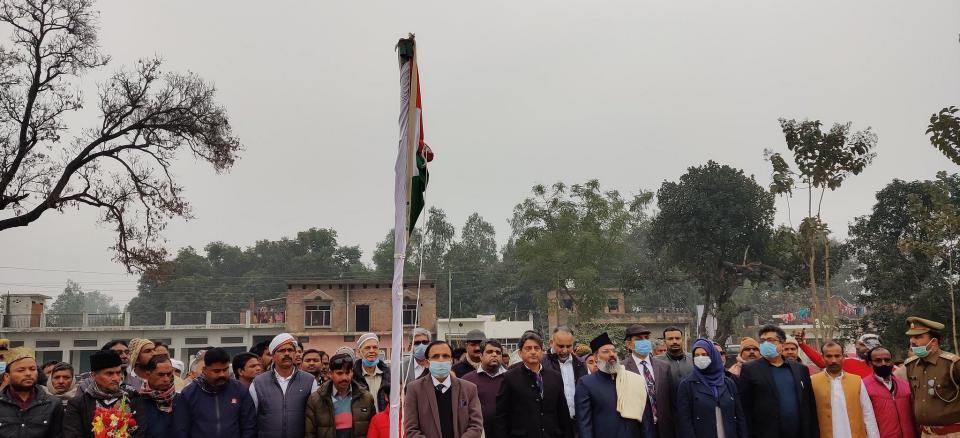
{"type": "Point", "coordinates": [934, 377]}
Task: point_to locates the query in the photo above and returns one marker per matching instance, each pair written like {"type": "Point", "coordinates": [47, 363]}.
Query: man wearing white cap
{"type": "Point", "coordinates": [281, 394]}
{"type": "Point", "coordinates": [369, 371]}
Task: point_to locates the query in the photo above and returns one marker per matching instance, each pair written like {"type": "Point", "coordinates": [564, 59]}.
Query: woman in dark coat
{"type": "Point", "coordinates": [708, 405]}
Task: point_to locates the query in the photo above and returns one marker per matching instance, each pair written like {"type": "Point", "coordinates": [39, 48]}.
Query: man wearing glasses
{"type": "Point", "coordinates": [777, 395]}
{"type": "Point", "coordinates": [418, 357]}
{"type": "Point", "coordinates": [933, 375]}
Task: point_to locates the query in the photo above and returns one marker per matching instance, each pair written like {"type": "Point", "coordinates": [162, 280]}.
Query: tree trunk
{"type": "Point", "coordinates": [831, 320]}
{"type": "Point", "coordinates": [702, 325]}
{"type": "Point", "coordinates": [953, 305]}
{"type": "Point", "coordinates": [812, 261]}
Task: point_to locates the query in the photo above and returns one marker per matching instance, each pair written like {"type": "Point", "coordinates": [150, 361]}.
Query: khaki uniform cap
{"type": "Point", "coordinates": [919, 326]}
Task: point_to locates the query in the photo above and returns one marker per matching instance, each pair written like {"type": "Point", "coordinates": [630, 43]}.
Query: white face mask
{"type": "Point", "coordinates": [701, 362]}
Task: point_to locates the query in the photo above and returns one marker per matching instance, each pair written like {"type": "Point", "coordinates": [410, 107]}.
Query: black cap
{"type": "Point", "coordinates": [104, 359]}
{"type": "Point", "coordinates": [475, 335]}
{"type": "Point", "coordinates": [600, 341]}
{"type": "Point", "coordinates": [635, 330]}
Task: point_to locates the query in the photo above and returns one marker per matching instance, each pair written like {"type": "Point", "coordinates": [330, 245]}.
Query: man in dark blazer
{"type": "Point", "coordinates": [562, 360]}
{"type": "Point", "coordinates": [423, 414]}
{"type": "Point", "coordinates": [597, 414]}
{"type": "Point", "coordinates": [776, 394]}
{"type": "Point", "coordinates": [531, 402]}
{"type": "Point", "coordinates": [661, 408]}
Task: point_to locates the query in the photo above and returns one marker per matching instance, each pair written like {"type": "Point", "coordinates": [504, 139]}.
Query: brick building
{"type": "Point", "coordinates": [327, 314]}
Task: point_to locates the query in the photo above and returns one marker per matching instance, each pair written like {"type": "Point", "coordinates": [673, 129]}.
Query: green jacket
{"type": "Point", "coordinates": [320, 420]}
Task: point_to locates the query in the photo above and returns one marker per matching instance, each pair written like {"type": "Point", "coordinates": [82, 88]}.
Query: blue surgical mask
{"type": "Point", "coordinates": [643, 347]}
{"type": "Point", "coordinates": [768, 350]}
{"type": "Point", "coordinates": [420, 352]}
{"type": "Point", "coordinates": [920, 352]}
{"type": "Point", "coordinates": [440, 369]}
{"type": "Point", "coordinates": [370, 363]}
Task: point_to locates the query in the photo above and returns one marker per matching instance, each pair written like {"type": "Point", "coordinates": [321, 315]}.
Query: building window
{"type": "Point", "coordinates": [316, 315]}
{"type": "Point", "coordinates": [567, 304]}
{"type": "Point", "coordinates": [195, 341]}
{"type": "Point", "coordinates": [85, 343]}
{"type": "Point", "coordinates": [48, 343]}
{"type": "Point", "coordinates": [613, 305]}
{"type": "Point", "coordinates": [409, 314]}
{"type": "Point", "coordinates": [231, 339]}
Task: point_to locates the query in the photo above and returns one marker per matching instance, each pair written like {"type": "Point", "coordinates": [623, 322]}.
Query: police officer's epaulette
{"type": "Point", "coordinates": [910, 359]}
{"type": "Point", "coordinates": [949, 356]}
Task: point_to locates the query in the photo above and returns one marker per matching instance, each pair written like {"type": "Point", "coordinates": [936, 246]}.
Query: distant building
{"type": "Point", "coordinates": [329, 314]}
{"type": "Point", "coordinates": [562, 311]}
{"type": "Point", "coordinates": [506, 332]}
{"type": "Point", "coordinates": [28, 309]}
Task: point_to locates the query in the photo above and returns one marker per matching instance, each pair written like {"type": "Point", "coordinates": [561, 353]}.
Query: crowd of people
{"type": "Point", "coordinates": [555, 389]}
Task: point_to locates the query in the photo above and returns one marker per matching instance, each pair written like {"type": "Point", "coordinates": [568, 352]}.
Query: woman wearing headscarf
{"type": "Point", "coordinates": [708, 405]}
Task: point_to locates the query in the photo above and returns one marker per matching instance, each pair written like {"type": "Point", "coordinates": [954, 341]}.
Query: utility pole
{"type": "Point", "coordinates": [449, 302]}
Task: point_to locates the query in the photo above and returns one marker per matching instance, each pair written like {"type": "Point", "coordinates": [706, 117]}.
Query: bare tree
{"type": "Point", "coordinates": [121, 165]}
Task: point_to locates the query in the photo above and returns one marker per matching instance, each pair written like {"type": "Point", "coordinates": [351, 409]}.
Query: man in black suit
{"type": "Point", "coordinates": [777, 395]}
{"type": "Point", "coordinates": [562, 360]}
{"type": "Point", "coordinates": [660, 409]}
{"type": "Point", "coordinates": [531, 402]}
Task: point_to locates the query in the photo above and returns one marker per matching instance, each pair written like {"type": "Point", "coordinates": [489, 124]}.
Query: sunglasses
{"type": "Point", "coordinates": [340, 361]}
{"type": "Point", "coordinates": [421, 342]}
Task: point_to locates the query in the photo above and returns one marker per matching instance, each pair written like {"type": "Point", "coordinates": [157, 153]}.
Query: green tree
{"type": "Point", "coordinates": [714, 224]}
{"type": "Point", "coordinates": [73, 299]}
{"type": "Point", "coordinates": [899, 280]}
{"type": "Point", "coordinates": [944, 130]}
{"type": "Point", "coordinates": [824, 160]}
{"type": "Point", "coordinates": [474, 263]}
{"type": "Point", "coordinates": [575, 239]}
{"type": "Point", "coordinates": [146, 119]}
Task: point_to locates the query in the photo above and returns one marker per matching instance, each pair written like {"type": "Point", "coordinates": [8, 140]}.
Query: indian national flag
{"type": "Point", "coordinates": [414, 154]}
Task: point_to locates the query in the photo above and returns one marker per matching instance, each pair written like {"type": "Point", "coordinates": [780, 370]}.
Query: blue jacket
{"type": "Point", "coordinates": [159, 423]}
{"type": "Point", "coordinates": [596, 407]}
{"type": "Point", "coordinates": [227, 413]}
{"type": "Point", "coordinates": [697, 407]}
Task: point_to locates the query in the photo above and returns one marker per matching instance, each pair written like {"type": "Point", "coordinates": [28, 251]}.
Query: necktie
{"type": "Point", "coordinates": [539, 379]}
{"type": "Point", "coordinates": [440, 388]}
{"type": "Point", "coordinates": [651, 388]}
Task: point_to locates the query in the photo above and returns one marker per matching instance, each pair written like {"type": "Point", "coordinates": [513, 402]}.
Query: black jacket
{"type": "Point", "coordinates": [384, 379]}
{"type": "Point", "coordinates": [760, 399]}
{"type": "Point", "coordinates": [696, 410]}
{"type": "Point", "coordinates": [43, 418]}
{"type": "Point", "coordinates": [552, 362]}
{"type": "Point", "coordinates": [666, 399]}
{"type": "Point", "coordinates": [522, 412]}
{"type": "Point", "coordinates": [78, 419]}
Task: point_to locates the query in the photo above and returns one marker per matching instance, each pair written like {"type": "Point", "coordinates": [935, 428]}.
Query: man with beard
{"type": "Point", "coordinates": [488, 379]}
{"type": "Point", "coordinates": [597, 397]}
{"type": "Point", "coordinates": [26, 411]}
{"type": "Point", "coordinates": [843, 407]}
{"type": "Point", "coordinates": [791, 352]}
{"type": "Point", "coordinates": [61, 384]}
{"type": "Point", "coordinates": [749, 351]}
{"type": "Point", "coordinates": [562, 360]}
{"type": "Point", "coordinates": [103, 390]}
{"type": "Point", "coordinates": [853, 365]}
{"type": "Point", "coordinates": [215, 406]}
{"type": "Point", "coordinates": [141, 350]}
{"type": "Point", "coordinates": [311, 363]}
{"type": "Point", "coordinates": [341, 408]}
{"type": "Point", "coordinates": [280, 394]}
{"type": "Point", "coordinates": [158, 396]}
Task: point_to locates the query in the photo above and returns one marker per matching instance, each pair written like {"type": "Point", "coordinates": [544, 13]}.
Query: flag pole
{"type": "Point", "coordinates": [409, 125]}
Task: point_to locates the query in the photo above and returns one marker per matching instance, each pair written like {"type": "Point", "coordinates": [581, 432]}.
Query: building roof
{"type": "Point", "coordinates": [352, 281]}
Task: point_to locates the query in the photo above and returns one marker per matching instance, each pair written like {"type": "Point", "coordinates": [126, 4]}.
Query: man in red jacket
{"type": "Point", "coordinates": [850, 365]}
{"type": "Point", "coordinates": [890, 396]}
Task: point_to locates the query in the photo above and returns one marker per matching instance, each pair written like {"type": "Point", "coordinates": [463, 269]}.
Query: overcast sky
{"type": "Point", "coordinates": [515, 93]}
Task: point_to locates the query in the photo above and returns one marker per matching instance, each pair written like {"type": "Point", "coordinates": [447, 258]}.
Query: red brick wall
{"type": "Point", "coordinates": [378, 298]}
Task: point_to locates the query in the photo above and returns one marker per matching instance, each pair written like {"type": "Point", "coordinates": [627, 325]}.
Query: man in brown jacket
{"type": "Point", "coordinates": [441, 406]}
{"type": "Point", "coordinates": [341, 408]}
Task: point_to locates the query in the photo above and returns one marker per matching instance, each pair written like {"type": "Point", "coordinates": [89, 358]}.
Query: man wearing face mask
{"type": "Point", "coordinates": [442, 405]}
{"type": "Point", "coordinates": [933, 375]}
{"type": "Point", "coordinates": [777, 395]}
{"type": "Point", "coordinates": [890, 397]}
{"type": "Point", "coordinates": [415, 366]}
{"type": "Point", "coordinates": [657, 375]}
{"type": "Point", "coordinates": [369, 371]}
{"type": "Point", "coordinates": [601, 395]}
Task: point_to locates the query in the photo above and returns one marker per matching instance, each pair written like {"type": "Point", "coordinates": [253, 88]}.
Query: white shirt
{"type": "Point", "coordinates": [838, 407]}
{"type": "Point", "coordinates": [640, 366]}
{"type": "Point", "coordinates": [569, 382]}
{"type": "Point", "coordinates": [446, 384]}
{"type": "Point", "coordinates": [417, 369]}
{"type": "Point", "coordinates": [284, 382]}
